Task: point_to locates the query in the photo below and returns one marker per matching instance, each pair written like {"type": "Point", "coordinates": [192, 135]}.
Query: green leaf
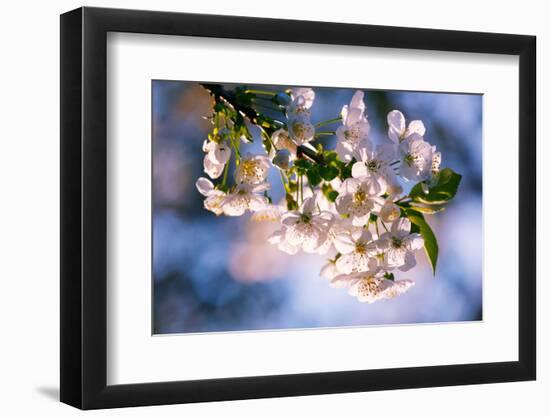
{"type": "Point", "coordinates": [345, 169]}
{"type": "Point", "coordinates": [330, 156]}
{"type": "Point", "coordinates": [265, 141]}
{"type": "Point", "coordinates": [332, 196]}
{"type": "Point", "coordinates": [303, 163]}
{"type": "Point", "coordinates": [329, 192]}
{"type": "Point", "coordinates": [219, 106]}
{"type": "Point", "coordinates": [328, 173]}
{"type": "Point", "coordinates": [313, 175]}
{"type": "Point", "coordinates": [427, 209]}
{"type": "Point", "coordinates": [389, 276]}
{"type": "Point", "coordinates": [419, 225]}
{"type": "Point", "coordinates": [442, 191]}
{"type": "Point", "coordinates": [291, 204]}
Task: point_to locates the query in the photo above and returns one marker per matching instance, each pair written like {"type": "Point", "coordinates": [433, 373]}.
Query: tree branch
{"type": "Point", "coordinates": [251, 114]}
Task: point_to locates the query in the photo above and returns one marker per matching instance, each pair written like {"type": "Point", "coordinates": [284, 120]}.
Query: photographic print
{"type": "Point", "coordinates": [299, 207]}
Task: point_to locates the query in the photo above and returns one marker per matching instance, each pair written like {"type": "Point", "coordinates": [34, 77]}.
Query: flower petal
{"type": "Point", "coordinates": [359, 169]}
{"type": "Point", "coordinates": [401, 227]}
{"type": "Point", "coordinates": [329, 271]}
{"type": "Point", "coordinates": [344, 243]}
{"type": "Point", "coordinates": [410, 262]}
{"type": "Point", "coordinates": [212, 169]}
{"type": "Point", "coordinates": [355, 115]}
{"type": "Point", "coordinates": [416, 126]}
{"type": "Point", "coordinates": [258, 202]}
{"type": "Point", "coordinates": [385, 152]}
{"type": "Point", "coordinates": [345, 263]}
{"type": "Point", "coordinates": [342, 280]}
{"type": "Point", "coordinates": [290, 218]}
{"type": "Point", "coordinates": [396, 122]}
{"type": "Point", "coordinates": [204, 185]}
{"type": "Point", "coordinates": [308, 206]}
{"type": "Point", "coordinates": [343, 203]}
{"type": "Point", "coordinates": [414, 241]}
{"type": "Point", "coordinates": [357, 100]}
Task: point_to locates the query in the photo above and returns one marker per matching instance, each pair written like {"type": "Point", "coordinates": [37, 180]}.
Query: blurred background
{"type": "Point", "coordinates": [215, 274]}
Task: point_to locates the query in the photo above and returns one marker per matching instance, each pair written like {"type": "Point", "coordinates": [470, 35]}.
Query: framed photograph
{"type": "Point", "coordinates": [257, 208]}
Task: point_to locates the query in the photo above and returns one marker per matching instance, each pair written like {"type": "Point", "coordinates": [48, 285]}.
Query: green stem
{"type": "Point", "coordinates": [324, 133]}
{"type": "Point", "coordinates": [268, 138]}
{"type": "Point", "coordinates": [283, 181]}
{"type": "Point", "coordinates": [264, 92]}
{"type": "Point", "coordinates": [298, 189]}
{"type": "Point", "coordinates": [237, 151]}
{"type": "Point", "coordinates": [225, 169]}
{"type": "Point", "coordinates": [376, 226]}
{"type": "Point", "coordinates": [301, 188]}
{"type": "Point", "coordinates": [383, 224]}
{"type": "Point", "coordinates": [327, 122]}
{"type": "Point", "coordinates": [265, 99]}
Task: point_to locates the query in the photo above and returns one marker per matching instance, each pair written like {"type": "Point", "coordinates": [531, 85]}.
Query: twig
{"type": "Point", "coordinates": [252, 115]}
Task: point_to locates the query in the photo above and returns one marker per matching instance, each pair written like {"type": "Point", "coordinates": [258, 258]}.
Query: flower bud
{"type": "Point", "coordinates": [390, 212]}
{"type": "Point", "coordinates": [282, 159]}
{"type": "Point", "coordinates": [425, 188]}
{"type": "Point", "coordinates": [282, 99]}
{"type": "Point", "coordinates": [394, 189]}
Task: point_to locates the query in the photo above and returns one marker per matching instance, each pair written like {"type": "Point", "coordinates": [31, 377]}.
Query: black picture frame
{"type": "Point", "coordinates": [84, 207]}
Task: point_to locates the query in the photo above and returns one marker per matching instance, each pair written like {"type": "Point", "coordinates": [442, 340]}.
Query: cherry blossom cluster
{"type": "Point", "coordinates": [345, 204]}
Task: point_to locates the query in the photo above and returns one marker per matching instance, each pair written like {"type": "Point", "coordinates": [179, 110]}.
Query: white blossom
{"type": "Point", "coordinates": [395, 248]}
{"type": "Point", "coordinates": [271, 213]}
{"type": "Point", "coordinates": [357, 257]}
{"type": "Point", "coordinates": [329, 270]}
{"type": "Point", "coordinates": [416, 157]}
{"type": "Point", "coordinates": [307, 228]}
{"type": "Point", "coordinates": [389, 211]}
{"type": "Point", "coordinates": [436, 161]}
{"type": "Point", "coordinates": [355, 127]}
{"type": "Point", "coordinates": [245, 197]}
{"type": "Point", "coordinates": [357, 249]}
{"type": "Point", "coordinates": [338, 227]}
{"type": "Point", "coordinates": [214, 198]}
{"type": "Point", "coordinates": [300, 129]}
{"type": "Point", "coordinates": [358, 198]}
{"type": "Point", "coordinates": [218, 153]}
{"type": "Point", "coordinates": [398, 130]}
{"type": "Point", "coordinates": [278, 238]}
{"type": "Point", "coordinates": [370, 286]}
{"type": "Point", "coordinates": [212, 169]}
{"type": "Point", "coordinates": [302, 97]}
{"type": "Point", "coordinates": [375, 164]}
{"type": "Point", "coordinates": [252, 169]}
{"type": "Point", "coordinates": [282, 140]}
